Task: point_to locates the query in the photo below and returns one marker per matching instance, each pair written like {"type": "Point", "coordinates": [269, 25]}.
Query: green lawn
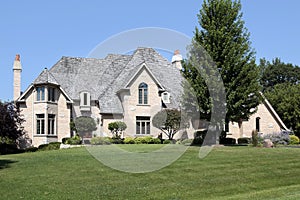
{"type": "Point", "coordinates": [226, 173]}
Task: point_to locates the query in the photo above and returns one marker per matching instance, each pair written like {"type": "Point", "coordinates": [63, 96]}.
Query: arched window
{"type": "Point", "coordinates": [143, 93]}
{"type": "Point", "coordinates": [257, 124]}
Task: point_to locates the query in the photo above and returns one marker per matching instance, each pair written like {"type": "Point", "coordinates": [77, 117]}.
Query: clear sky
{"type": "Point", "coordinates": [44, 31]}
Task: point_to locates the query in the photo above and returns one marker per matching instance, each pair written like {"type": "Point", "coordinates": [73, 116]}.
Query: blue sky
{"type": "Point", "coordinates": [44, 31]}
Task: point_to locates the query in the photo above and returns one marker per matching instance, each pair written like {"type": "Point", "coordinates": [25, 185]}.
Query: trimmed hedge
{"type": "Point", "coordinates": [228, 141]}
{"type": "Point", "coordinates": [244, 140]}
{"type": "Point", "coordinates": [50, 146]}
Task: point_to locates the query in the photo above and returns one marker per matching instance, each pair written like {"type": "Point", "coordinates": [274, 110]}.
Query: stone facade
{"type": "Point", "coordinates": [265, 121]}
{"type": "Point", "coordinates": [128, 88]}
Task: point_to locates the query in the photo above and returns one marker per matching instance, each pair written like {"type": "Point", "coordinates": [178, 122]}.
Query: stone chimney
{"type": "Point", "coordinates": [176, 59]}
{"type": "Point", "coordinates": [17, 69]}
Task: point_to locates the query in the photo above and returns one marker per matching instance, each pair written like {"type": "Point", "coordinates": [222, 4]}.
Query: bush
{"type": "Point", "coordinates": [244, 140]}
{"type": "Point", "coordinates": [199, 137]}
{"type": "Point", "coordinates": [31, 149]}
{"type": "Point", "coordinates": [50, 146]}
{"type": "Point", "coordinates": [294, 139]}
{"type": "Point", "coordinates": [278, 138]}
{"type": "Point", "coordinates": [129, 140]}
{"type": "Point", "coordinates": [100, 140]}
{"type": "Point", "coordinates": [140, 140]}
{"type": "Point", "coordinates": [228, 141]}
{"type": "Point", "coordinates": [9, 149]}
{"type": "Point", "coordinates": [117, 140]}
{"type": "Point", "coordinates": [255, 138]}
{"type": "Point", "coordinates": [73, 140]}
{"type": "Point", "coordinates": [155, 141]}
{"type": "Point", "coordinates": [167, 142]}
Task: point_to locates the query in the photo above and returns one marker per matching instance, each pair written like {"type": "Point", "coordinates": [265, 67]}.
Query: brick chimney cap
{"type": "Point", "coordinates": [17, 57]}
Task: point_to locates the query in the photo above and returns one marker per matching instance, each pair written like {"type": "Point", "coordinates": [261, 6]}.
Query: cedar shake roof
{"type": "Point", "coordinates": [103, 78]}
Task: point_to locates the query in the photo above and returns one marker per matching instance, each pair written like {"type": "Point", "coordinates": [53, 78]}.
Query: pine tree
{"type": "Point", "coordinates": [226, 40]}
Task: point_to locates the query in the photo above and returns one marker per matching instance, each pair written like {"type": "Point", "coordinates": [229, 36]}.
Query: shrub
{"type": "Point", "coordinates": [199, 137]}
{"type": "Point", "coordinates": [50, 146]}
{"type": "Point", "coordinates": [228, 141]}
{"type": "Point", "coordinates": [129, 140]}
{"type": "Point", "coordinates": [116, 140]}
{"type": "Point", "coordinates": [167, 142]}
{"type": "Point", "coordinates": [155, 141]}
{"type": "Point", "coordinates": [278, 138]}
{"type": "Point", "coordinates": [100, 140]}
{"type": "Point", "coordinates": [73, 140]}
{"type": "Point", "coordinates": [9, 149]}
{"type": "Point", "coordinates": [31, 149]}
{"type": "Point", "coordinates": [254, 138]}
{"type": "Point", "coordinates": [294, 139]}
{"type": "Point", "coordinates": [244, 140]}
{"type": "Point", "coordinates": [140, 140]}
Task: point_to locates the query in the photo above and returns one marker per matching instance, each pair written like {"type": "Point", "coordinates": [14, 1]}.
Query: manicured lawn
{"type": "Point", "coordinates": [226, 173]}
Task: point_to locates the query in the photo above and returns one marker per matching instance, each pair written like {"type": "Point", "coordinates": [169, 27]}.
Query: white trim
{"type": "Point", "coordinates": [142, 66]}
{"type": "Point", "coordinates": [267, 103]}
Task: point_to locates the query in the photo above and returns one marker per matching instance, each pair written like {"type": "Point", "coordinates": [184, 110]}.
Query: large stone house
{"type": "Point", "coordinates": [128, 88]}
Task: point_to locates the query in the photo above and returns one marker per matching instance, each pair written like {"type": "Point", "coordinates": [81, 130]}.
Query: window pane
{"type": "Point", "coordinates": [42, 126]}
{"type": "Point", "coordinates": [51, 94]}
{"type": "Point", "coordinates": [38, 127]}
{"type": "Point", "coordinates": [140, 96]}
{"type": "Point", "coordinates": [85, 99]}
{"type": "Point", "coordinates": [143, 128]}
{"type": "Point", "coordinates": [148, 127]}
{"type": "Point", "coordinates": [138, 128]}
{"type": "Point", "coordinates": [42, 93]}
{"type": "Point", "coordinates": [145, 96]}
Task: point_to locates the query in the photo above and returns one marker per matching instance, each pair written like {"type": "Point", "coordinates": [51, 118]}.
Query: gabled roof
{"type": "Point", "coordinates": [274, 113]}
{"type": "Point", "coordinates": [140, 68]}
{"type": "Point", "coordinates": [103, 78]}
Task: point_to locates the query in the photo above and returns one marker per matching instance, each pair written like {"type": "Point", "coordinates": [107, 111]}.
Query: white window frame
{"type": "Point", "coordinates": [143, 125]}
{"type": "Point", "coordinates": [40, 93]}
{"type": "Point", "coordinates": [40, 124]}
{"type": "Point", "coordinates": [85, 101]}
{"type": "Point", "coordinates": [51, 124]}
{"type": "Point", "coordinates": [165, 96]}
{"type": "Point", "coordinates": [143, 94]}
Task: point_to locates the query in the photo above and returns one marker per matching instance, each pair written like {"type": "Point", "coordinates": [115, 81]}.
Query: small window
{"type": "Point", "coordinates": [40, 93]}
{"type": "Point", "coordinates": [257, 124]}
{"type": "Point", "coordinates": [51, 94]}
{"type": "Point", "coordinates": [166, 97]}
{"type": "Point", "coordinates": [40, 124]}
{"type": "Point", "coordinates": [142, 125]}
{"type": "Point", "coordinates": [51, 124]}
{"type": "Point", "coordinates": [143, 93]}
{"type": "Point", "coordinates": [85, 101]}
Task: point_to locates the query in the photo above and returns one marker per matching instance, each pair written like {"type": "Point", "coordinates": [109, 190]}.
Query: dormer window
{"type": "Point", "coordinates": [165, 97]}
{"type": "Point", "coordinates": [143, 93]}
{"type": "Point", "coordinates": [85, 101]}
{"type": "Point", "coordinates": [40, 93]}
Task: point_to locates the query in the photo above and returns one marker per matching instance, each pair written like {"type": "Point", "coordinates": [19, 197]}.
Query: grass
{"type": "Point", "coordinates": [226, 173]}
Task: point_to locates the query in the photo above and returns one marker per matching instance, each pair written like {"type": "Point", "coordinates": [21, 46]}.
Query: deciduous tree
{"type": "Point", "coordinates": [11, 121]}
{"type": "Point", "coordinates": [170, 121]}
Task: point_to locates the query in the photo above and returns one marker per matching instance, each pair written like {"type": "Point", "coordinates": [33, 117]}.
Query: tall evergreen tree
{"type": "Point", "coordinates": [226, 40]}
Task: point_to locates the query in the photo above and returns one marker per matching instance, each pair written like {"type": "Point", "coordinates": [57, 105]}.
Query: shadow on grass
{"type": "Point", "coordinates": [6, 163]}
